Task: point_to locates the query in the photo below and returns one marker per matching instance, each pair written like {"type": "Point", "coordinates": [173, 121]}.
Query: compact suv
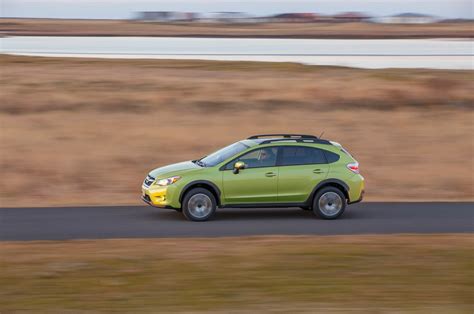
{"type": "Point", "coordinates": [269, 170]}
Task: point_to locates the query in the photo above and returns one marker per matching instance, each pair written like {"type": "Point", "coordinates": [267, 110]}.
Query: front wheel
{"type": "Point", "coordinates": [199, 205]}
{"type": "Point", "coordinates": [329, 203]}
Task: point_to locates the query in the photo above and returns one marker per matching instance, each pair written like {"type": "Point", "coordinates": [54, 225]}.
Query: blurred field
{"type": "Point", "coordinates": [360, 274]}
{"type": "Point", "coordinates": [87, 131]}
{"type": "Point", "coordinates": [61, 27]}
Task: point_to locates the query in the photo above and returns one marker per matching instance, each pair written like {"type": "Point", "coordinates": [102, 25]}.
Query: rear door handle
{"type": "Point", "coordinates": [318, 171]}
{"type": "Point", "coordinates": [270, 174]}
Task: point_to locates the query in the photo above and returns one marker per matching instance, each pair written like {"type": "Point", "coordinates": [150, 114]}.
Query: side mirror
{"type": "Point", "coordinates": [239, 165]}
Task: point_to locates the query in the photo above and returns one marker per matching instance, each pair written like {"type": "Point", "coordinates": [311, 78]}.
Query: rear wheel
{"type": "Point", "coordinates": [199, 204]}
{"type": "Point", "coordinates": [329, 203]}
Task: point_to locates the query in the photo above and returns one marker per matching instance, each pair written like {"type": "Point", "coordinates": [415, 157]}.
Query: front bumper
{"type": "Point", "coordinates": [160, 196]}
{"type": "Point", "coordinates": [147, 200]}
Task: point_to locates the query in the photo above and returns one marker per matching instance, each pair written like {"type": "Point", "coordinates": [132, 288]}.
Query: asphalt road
{"type": "Point", "coordinates": [61, 223]}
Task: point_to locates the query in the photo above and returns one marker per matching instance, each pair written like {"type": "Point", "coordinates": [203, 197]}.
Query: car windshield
{"type": "Point", "coordinates": [222, 154]}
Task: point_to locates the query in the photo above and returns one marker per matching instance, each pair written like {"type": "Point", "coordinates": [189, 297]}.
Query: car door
{"type": "Point", "coordinates": [300, 169]}
{"type": "Point", "coordinates": [256, 183]}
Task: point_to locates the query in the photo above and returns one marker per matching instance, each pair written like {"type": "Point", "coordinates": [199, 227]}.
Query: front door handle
{"type": "Point", "coordinates": [318, 171]}
{"type": "Point", "coordinates": [270, 174]}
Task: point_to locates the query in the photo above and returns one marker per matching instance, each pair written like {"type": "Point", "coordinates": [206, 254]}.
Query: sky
{"type": "Point", "coordinates": [123, 9]}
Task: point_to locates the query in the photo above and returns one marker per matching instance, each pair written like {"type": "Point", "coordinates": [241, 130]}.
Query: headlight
{"type": "Point", "coordinates": [168, 181]}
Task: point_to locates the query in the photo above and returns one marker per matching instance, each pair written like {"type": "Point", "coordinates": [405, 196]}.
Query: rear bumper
{"type": "Point", "coordinates": [358, 200]}
{"type": "Point", "coordinates": [357, 188]}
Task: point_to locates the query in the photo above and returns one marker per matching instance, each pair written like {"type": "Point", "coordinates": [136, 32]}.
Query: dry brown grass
{"type": "Point", "coordinates": [87, 131]}
{"type": "Point", "coordinates": [52, 27]}
{"type": "Point", "coordinates": [336, 274]}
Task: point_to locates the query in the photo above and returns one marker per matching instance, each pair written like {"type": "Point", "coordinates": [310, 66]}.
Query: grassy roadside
{"type": "Point", "coordinates": [392, 273]}
{"type": "Point", "coordinates": [87, 131]}
{"type": "Point", "coordinates": [61, 27]}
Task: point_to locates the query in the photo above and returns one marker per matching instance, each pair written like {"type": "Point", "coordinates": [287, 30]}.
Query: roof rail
{"type": "Point", "coordinates": [286, 136]}
{"type": "Point", "coordinates": [298, 140]}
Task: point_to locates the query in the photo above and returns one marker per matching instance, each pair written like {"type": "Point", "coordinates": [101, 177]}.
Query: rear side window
{"type": "Point", "coordinates": [299, 155]}
{"type": "Point", "coordinates": [331, 157]}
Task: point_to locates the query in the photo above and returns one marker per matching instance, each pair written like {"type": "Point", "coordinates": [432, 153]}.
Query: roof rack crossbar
{"type": "Point", "coordinates": [297, 140]}
{"type": "Point", "coordinates": [253, 137]}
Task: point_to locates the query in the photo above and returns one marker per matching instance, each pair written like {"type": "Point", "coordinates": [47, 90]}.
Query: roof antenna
{"type": "Point", "coordinates": [321, 134]}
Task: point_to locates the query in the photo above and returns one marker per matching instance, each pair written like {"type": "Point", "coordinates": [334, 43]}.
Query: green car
{"type": "Point", "coordinates": [269, 170]}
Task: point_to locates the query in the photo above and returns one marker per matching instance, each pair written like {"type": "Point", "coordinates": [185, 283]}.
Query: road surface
{"type": "Point", "coordinates": [61, 223]}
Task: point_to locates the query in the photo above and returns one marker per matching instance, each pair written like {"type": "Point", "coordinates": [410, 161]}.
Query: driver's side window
{"type": "Point", "coordinates": [264, 157]}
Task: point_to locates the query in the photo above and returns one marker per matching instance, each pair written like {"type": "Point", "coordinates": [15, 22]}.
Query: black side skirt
{"type": "Point", "coordinates": [264, 205]}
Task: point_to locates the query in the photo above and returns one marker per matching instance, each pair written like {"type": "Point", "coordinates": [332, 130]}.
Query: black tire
{"type": "Point", "coordinates": [196, 200]}
{"type": "Point", "coordinates": [326, 199]}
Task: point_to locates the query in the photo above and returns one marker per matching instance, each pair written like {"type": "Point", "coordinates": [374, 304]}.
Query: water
{"type": "Point", "coordinates": [378, 53]}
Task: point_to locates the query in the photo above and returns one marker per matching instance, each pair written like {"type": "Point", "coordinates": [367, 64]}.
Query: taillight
{"type": "Point", "coordinates": [354, 167]}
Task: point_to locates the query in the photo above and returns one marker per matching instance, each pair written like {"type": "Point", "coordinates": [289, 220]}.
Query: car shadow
{"type": "Point", "coordinates": [239, 214]}
{"type": "Point", "coordinates": [261, 213]}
